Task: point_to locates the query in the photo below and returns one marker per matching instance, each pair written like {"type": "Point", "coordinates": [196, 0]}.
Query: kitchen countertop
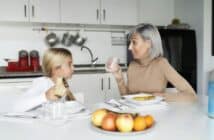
{"type": "Point", "coordinates": [182, 121]}
{"type": "Point", "coordinates": [78, 70]}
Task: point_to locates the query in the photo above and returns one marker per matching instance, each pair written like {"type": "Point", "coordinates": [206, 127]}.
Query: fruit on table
{"type": "Point", "coordinates": [122, 122]}
{"type": "Point", "coordinates": [144, 98]}
{"type": "Point", "coordinates": [108, 122]}
{"type": "Point", "coordinates": [125, 123]}
{"type": "Point", "coordinates": [139, 123]}
{"type": "Point", "coordinates": [97, 116]}
{"type": "Point", "coordinates": [149, 120]}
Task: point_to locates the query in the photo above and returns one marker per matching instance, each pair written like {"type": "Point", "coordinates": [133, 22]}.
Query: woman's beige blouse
{"type": "Point", "coordinates": [152, 76]}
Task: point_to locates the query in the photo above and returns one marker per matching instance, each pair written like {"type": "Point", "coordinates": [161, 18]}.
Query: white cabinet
{"type": "Point", "coordinates": [80, 11]}
{"type": "Point", "coordinates": [30, 10]}
{"type": "Point", "coordinates": [44, 11]}
{"type": "Point", "coordinates": [96, 87]}
{"type": "Point", "coordinates": [14, 10]}
{"type": "Point", "coordinates": [157, 12]}
{"type": "Point", "coordinates": [119, 12]}
{"type": "Point", "coordinates": [112, 12]}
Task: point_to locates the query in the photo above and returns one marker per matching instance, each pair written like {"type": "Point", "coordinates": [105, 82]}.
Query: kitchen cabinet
{"type": "Point", "coordinates": [111, 12]}
{"type": "Point", "coordinates": [96, 87]}
{"type": "Point", "coordinates": [30, 10]}
{"type": "Point", "coordinates": [79, 11]}
{"type": "Point", "coordinates": [119, 12]}
{"type": "Point", "coordinates": [157, 12]}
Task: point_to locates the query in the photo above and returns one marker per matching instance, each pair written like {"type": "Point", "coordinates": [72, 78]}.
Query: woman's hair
{"type": "Point", "coordinates": [53, 58]}
{"type": "Point", "coordinates": [149, 32]}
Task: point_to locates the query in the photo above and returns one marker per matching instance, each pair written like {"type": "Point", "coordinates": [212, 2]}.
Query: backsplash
{"type": "Point", "coordinates": [16, 37]}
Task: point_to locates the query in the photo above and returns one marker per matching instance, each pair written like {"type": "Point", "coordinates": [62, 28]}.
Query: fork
{"type": "Point", "coordinates": [115, 105]}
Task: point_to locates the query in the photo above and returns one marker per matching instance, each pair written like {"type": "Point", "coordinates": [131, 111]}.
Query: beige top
{"type": "Point", "coordinates": [151, 76]}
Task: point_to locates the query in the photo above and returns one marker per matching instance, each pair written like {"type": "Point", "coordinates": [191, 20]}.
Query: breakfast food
{"type": "Point", "coordinates": [125, 123]}
{"type": "Point", "coordinates": [97, 116]}
{"type": "Point", "coordinates": [59, 87]}
{"type": "Point", "coordinates": [121, 122]}
{"type": "Point", "coordinates": [144, 98]}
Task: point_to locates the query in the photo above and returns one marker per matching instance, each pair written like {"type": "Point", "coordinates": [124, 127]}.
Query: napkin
{"type": "Point", "coordinates": [124, 106]}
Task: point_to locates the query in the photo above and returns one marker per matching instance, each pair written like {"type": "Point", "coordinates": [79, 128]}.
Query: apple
{"type": "Point", "coordinates": [125, 123]}
{"type": "Point", "coordinates": [97, 116]}
{"type": "Point", "coordinates": [108, 122]}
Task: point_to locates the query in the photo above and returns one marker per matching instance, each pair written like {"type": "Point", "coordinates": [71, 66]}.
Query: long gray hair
{"type": "Point", "coordinates": [149, 32]}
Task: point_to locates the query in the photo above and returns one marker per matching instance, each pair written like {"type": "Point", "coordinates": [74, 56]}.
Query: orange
{"type": "Point", "coordinates": [149, 120]}
{"type": "Point", "coordinates": [139, 123]}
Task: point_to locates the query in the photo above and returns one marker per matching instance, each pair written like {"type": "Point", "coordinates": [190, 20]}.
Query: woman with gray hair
{"type": "Point", "coordinates": [150, 71]}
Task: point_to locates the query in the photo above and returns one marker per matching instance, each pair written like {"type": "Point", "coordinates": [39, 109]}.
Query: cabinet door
{"type": "Point", "coordinates": [111, 88]}
{"type": "Point", "coordinates": [119, 12]}
{"type": "Point", "coordinates": [14, 10]}
{"type": "Point", "coordinates": [91, 85]}
{"type": "Point", "coordinates": [79, 11]}
{"type": "Point", "coordinates": [44, 11]}
{"type": "Point", "coordinates": [163, 14]}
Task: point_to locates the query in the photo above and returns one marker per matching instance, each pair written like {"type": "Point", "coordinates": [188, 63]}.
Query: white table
{"type": "Point", "coordinates": [182, 121]}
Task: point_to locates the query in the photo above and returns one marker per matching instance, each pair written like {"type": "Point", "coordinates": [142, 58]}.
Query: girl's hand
{"type": "Point", "coordinates": [50, 94]}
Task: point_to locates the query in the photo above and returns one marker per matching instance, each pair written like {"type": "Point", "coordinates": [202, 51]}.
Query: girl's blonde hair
{"type": "Point", "coordinates": [53, 58]}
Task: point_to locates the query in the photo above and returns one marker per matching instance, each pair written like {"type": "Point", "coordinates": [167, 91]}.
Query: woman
{"type": "Point", "coordinates": [150, 71]}
{"type": "Point", "coordinates": [57, 65]}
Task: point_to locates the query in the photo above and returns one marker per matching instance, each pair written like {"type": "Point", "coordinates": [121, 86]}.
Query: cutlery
{"type": "Point", "coordinates": [127, 105]}
{"type": "Point", "coordinates": [114, 105]}
{"type": "Point", "coordinates": [20, 116]}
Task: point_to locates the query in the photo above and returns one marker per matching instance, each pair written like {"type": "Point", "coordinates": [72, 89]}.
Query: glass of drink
{"type": "Point", "coordinates": [211, 99]}
{"type": "Point", "coordinates": [112, 64]}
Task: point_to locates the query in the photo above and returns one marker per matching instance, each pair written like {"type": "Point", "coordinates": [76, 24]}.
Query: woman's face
{"type": "Point", "coordinates": [138, 46]}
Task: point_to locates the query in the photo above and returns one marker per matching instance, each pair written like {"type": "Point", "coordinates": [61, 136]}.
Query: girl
{"type": "Point", "coordinates": [57, 66]}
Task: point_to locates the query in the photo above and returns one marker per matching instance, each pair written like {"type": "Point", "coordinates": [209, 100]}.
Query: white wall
{"type": "Point", "coordinates": [197, 13]}
{"type": "Point", "coordinates": [17, 36]}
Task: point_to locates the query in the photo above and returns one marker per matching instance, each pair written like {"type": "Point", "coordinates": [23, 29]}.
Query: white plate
{"type": "Point", "coordinates": [121, 133]}
{"type": "Point", "coordinates": [129, 98]}
{"type": "Point", "coordinates": [73, 107]}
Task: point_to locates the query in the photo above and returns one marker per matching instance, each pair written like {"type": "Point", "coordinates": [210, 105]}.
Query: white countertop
{"type": "Point", "coordinates": [182, 121]}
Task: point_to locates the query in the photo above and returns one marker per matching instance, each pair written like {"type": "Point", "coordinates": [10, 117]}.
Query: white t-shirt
{"type": "Point", "coordinates": [34, 96]}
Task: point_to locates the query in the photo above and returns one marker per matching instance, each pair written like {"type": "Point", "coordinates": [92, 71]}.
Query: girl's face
{"type": "Point", "coordinates": [65, 70]}
{"type": "Point", "coordinates": [139, 47]}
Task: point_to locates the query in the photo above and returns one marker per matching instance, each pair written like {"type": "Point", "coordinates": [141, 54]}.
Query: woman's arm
{"type": "Point", "coordinates": [185, 91]}
{"type": "Point", "coordinates": [121, 82]}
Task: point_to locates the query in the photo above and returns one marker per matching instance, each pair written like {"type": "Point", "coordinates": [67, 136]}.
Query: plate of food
{"type": "Point", "coordinates": [143, 98]}
{"type": "Point", "coordinates": [109, 122]}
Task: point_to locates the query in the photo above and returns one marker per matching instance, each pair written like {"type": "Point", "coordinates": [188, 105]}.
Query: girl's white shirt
{"type": "Point", "coordinates": [34, 96]}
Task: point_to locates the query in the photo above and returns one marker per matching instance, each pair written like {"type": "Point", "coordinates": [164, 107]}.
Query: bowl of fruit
{"type": "Point", "coordinates": [109, 122]}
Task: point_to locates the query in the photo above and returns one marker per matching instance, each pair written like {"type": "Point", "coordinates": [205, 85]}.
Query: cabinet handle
{"type": "Point", "coordinates": [109, 83]}
{"type": "Point", "coordinates": [25, 10]}
{"type": "Point", "coordinates": [104, 14]}
{"type": "Point", "coordinates": [33, 11]}
{"type": "Point", "coordinates": [97, 14]}
{"type": "Point", "coordinates": [102, 84]}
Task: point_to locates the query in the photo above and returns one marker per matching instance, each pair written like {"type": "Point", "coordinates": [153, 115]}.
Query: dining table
{"type": "Point", "coordinates": [180, 121]}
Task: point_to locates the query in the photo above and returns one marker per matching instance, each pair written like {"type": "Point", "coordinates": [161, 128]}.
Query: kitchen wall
{"type": "Point", "coordinates": [17, 36]}
{"type": "Point", "coordinates": [197, 13]}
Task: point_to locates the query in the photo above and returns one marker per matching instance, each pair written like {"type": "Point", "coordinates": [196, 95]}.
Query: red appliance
{"type": "Point", "coordinates": [22, 65]}
{"type": "Point", "coordinates": [34, 60]}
